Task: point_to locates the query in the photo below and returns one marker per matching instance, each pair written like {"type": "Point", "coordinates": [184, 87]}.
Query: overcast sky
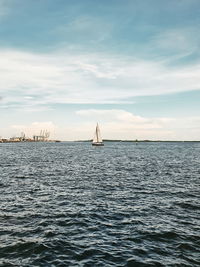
{"type": "Point", "coordinates": [131, 65]}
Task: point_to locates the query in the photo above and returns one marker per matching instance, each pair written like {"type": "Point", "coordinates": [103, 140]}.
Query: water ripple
{"type": "Point", "coordinates": [70, 204]}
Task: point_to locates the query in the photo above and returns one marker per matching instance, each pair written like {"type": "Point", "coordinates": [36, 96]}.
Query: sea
{"type": "Point", "coordinates": [123, 204]}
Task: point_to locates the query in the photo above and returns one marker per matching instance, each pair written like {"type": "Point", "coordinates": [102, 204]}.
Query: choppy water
{"type": "Point", "coordinates": [71, 204]}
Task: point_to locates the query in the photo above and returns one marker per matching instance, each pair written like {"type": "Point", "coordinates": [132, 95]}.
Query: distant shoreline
{"type": "Point", "coordinates": [138, 141]}
{"type": "Point", "coordinates": [105, 140]}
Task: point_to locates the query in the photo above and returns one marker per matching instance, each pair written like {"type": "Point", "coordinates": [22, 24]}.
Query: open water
{"type": "Point", "coordinates": [71, 204]}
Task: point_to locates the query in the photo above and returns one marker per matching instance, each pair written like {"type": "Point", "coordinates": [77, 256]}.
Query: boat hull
{"type": "Point", "coordinates": [97, 144]}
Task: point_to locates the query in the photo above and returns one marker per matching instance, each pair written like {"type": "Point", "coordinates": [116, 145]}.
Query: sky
{"type": "Point", "coordinates": [133, 66]}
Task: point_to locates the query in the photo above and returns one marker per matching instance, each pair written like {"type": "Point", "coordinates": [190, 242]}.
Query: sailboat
{"type": "Point", "coordinates": [97, 141]}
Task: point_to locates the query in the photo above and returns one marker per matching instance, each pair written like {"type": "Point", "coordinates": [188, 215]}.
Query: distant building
{"type": "Point", "coordinates": [15, 139]}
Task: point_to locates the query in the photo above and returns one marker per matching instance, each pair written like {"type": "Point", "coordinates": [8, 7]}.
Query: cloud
{"type": "Point", "coordinates": [124, 117]}
{"type": "Point", "coordinates": [121, 124]}
{"type": "Point", "coordinates": [86, 29]}
{"type": "Point", "coordinates": [176, 44]}
{"type": "Point", "coordinates": [44, 79]}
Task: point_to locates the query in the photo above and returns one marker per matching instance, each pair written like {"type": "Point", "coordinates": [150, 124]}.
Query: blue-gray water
{"type": "Point", "coordinates": [71, 204]}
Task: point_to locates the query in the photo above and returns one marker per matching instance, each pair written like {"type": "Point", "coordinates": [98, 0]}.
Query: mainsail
{"type": "Point", "coordinates": [97, 140]}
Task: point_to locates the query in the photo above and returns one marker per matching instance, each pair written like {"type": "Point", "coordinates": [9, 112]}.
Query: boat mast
{"type": "Point", "coordinates": [97, 132]}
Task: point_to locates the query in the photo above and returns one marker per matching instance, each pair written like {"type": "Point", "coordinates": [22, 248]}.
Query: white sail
{"type": "Point", "coordinates": [97, 135]}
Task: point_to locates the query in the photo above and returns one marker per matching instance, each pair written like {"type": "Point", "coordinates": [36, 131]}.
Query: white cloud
{"type": "Point", "coordinates": [178, 40]}
{"type": "Point", "coordinates": [86, 28]}
{"type": "Point", "coordinates": [120, 124]}
{"type": "Point", "coordinates": [124, 118]}
{"type": "Point", "coordinates": [40, 79]}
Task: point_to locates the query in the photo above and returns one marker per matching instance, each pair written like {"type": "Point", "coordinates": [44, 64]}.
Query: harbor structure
{"type": "Point", "coordinates": [42, 137]}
